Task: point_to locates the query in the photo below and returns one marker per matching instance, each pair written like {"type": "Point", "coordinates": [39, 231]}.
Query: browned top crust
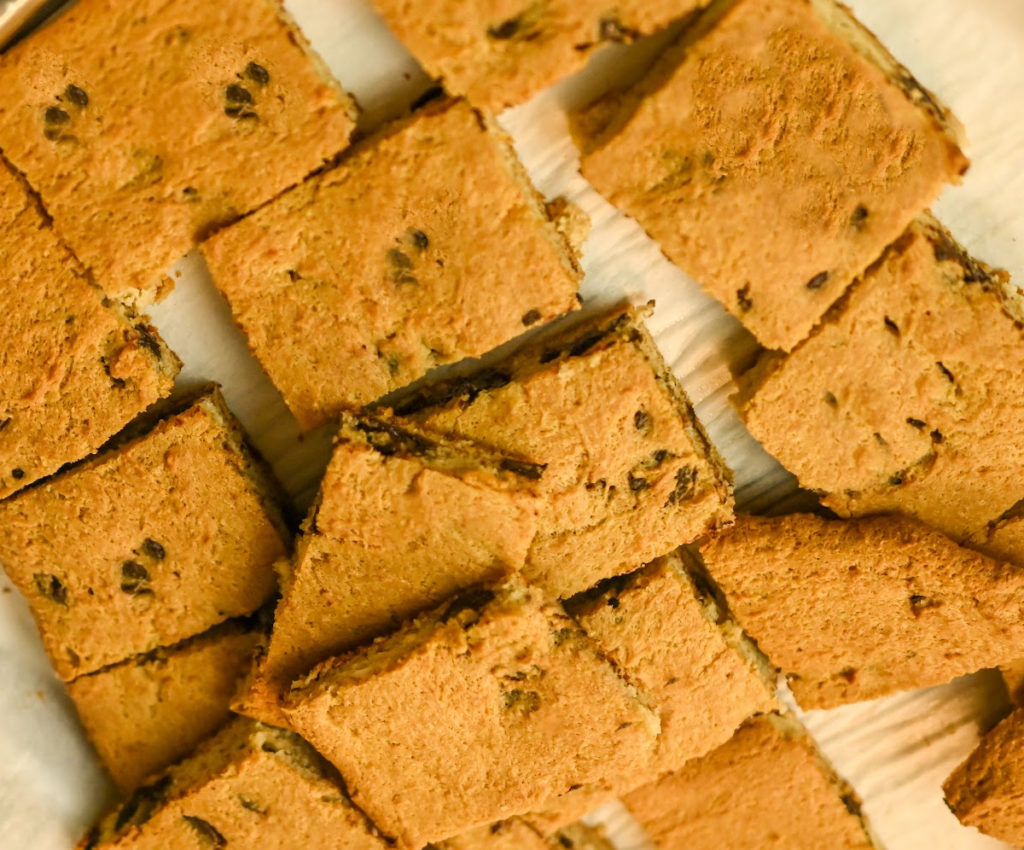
{"type": "Point", "coordinates": [899, 400]}
{"type": "Point", "coordinates": [856, 609]}
{"type": "Point", "coordinates": [502, 52]}
{"type": "Point", "coordinates": [157, 540]}
{"type": "Point", "coordinates": [74, 368]}
{"type": "Point", "coordinates": [190, 115]}
{"type": "Point", "coordinates": [773, 152]}
{"type": "Point", "coordinates": [427, 244]}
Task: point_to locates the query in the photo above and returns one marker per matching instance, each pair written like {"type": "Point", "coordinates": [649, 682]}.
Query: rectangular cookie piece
{"type": "Point", "coordinates": [854, 610]}
{"type": "Point", "coordinates": [75, 368]}
{"type": "Point", "coordinates": [787, 105]}
{"type": "Point", "coordinates": [987, 790]}
{"type": "Point", "coordinates": [425, 245]}
{"type": "Point", "coordinates": [629, 472]}
{"type": "Point", "coordinates": [499, 54]}
{"type": "Point", "coordinates": [899, 400]}
{"type": "Point", "coordinates": [767, 780]}
{"type": "Point", "coordinates": [474, 713]}
{"type": "Point", "coordinates": [147, 712]}
{"type": "Point", "coordinates": [652, 627]}
{"type": "Point", "coordinates": [191, 115]}
{"type": "Point", "coordinates": [401, 524]}
{"type": "Point", "coordinates": [249, 786]}
{"type": "Point", "coordinates": [147, 544]}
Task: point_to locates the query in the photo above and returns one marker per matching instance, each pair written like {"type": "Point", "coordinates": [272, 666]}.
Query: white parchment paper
{"type": "Point", "coordinates": [896, 751]}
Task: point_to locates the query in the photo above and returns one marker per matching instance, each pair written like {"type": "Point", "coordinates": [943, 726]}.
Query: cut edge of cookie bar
{"type": "Point", "coordinates": [125, 756]}
{"type": "Point", "coordinates": [261, 695]}
{"type": "Point", "coordinates": [226, 754]}
{"type": "Point", "coordinates": [782, 729]}
{"type": "Point", "coordinates": [772, 367]}
{"type": "Point", "coordinates": [986, 790]}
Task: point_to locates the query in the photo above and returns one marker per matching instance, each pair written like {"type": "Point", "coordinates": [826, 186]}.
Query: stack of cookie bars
{"type": "Point", "coordinates": [523, 589]}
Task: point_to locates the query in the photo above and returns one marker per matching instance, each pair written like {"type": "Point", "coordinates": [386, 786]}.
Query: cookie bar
{"type": "Point", "coordinates": [157, 540]}
{"type": "Point", "coordinates": [500, 54]}
{"type": "Point", "coordinates": [145, 713]}
{"type": "Point", "coordinates": [768, 780]}
{"type": "Point", "coordinates": [249, 786]}
{"type": "Point", "coordinates": [899, 400]}
{"type": "Point", "coordinates": [474, 713]}
{"type": "Point", "coordinates": [629, 472]}
{"type": "Point", "coordinates": [987, 790]}
{"type": "Point", "coordinates": [787, 105]}
{"type": "Point", "coordinates": [75, 369]}
{"type": "Point", "coordinates": [856, 609]}
{"type": "Point", "coordinates": [650, 624]}
{"type": "Point", "coordinates": [401, 524]}
{"type": "Point", "coordinates": [360, 281]}
{"type": "Point", "coordinates": [190, 116]}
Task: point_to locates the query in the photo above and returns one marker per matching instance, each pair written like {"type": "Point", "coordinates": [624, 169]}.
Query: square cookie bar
{"type": "Point", "coordinates": [402, 523]}
{"type": "Point", "coordinates": [502, 52]}
{"type": "Point", "coordinates": [427, 244]}
{"type": "Point", "coordinates": [987, 790]}
{"type": "Point", "coordinates": [629, 473]}
{"type": "Point", "coordinates": [151, 710]}
{"type": "Point", "coordinates": [249, 786]}
{"type": "Point", "coordinates": [854, 610]}
{"type": "Point", "coordinates": [149, 543]}
{"type": "Point", "coordinates": [190, 115]}
{"type": "Point", "coordinates": [899, 401]}
{"type": "Point", "coordinates": [691, 670]}
{"type": "Point", "coordinates": [767, 780]}
{"type": "Point", "coordinates": [75, 368]}
{"type": "Point", "coordinates": [781, 105]}
{"type": "Point", "coordinates": [474, 713]}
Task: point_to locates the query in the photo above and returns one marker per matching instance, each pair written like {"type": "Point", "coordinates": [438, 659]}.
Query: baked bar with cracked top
{"type": "Point", "coordinates": [502, 52]}
{"type": "Point", "coordinates": [367, 276]}
{"type": "Point", "coordinates": [854, 610]}
{"type": "Point", "coordinates": [157, 540]}
{"type": "Point", "coordinates": [191, 115]}
{"type": "Point", "coordinates": [249, 786]}
{"type": "Point", "coordinates": [652, 626]}
{"type": "Point", "coordinates": [767, 780]}
{"type": "Point", "coordinates": [787, 105]}
{"type": "Point", "coordinates": [899, 401]}
{"type": "Point", "coordinates": [629, 473]}
{"type": "Point", "coordinates": [147, 712]}
{"type": "Point", "coordinates": [75, 368]}
{"type": "Point", "coordinates": [402, 523]}
{"type": "Point", "coordinates": [987, 790]}
{"type": "Point", "coordinates": [479, 711]}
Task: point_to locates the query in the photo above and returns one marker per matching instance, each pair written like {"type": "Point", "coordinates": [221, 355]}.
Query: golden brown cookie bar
{"type": "Point", "coordinates": [191, 115]}
{"type": "Point", "coordinates": [768, 780]}
{"type": "Point", "coordinates": [856, 609]}
{"type": "Point", "coordinates": [365, 277]}
{"type": "Point", "coordinates": [652, 626]}
{"type": "Point", "coordinates": [250, 786]}
{"type": "Point", "coordinates": [987, 790]}
{"type": "Point", "coordinates": [401, 524]}
{"type": "Point", "coordinates": [899, 400]}
{"type": "Point", "coordinates": [781, 105]}
{"type": "Point", "coordinates": [629, 472]}
{"type": "Point", "coordinates": [516, 834]}
{"type": "Point", "coordinates": [147, 712]}
{"type": "Point", "coordinates": [474, 713]}
{"type": "Point", "coordinates": [75, 369]}
{"type": "Point", "coordinates": [502, 52]}
{"type": "Point", "coordinates": [149, 543]}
